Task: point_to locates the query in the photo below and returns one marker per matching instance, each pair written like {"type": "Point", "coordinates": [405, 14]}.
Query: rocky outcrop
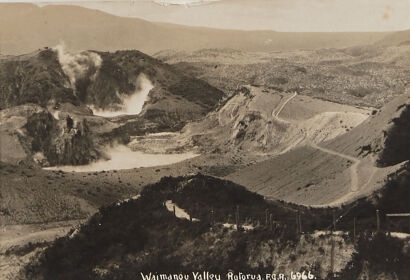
{"type": "Point", "coordinates": [397, 139]}
{"type": "Point", "coordinates": [64, 141]}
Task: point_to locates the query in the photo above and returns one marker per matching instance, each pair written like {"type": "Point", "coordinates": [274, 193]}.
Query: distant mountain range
{"type": "Point", "coordinates": [27, 27]}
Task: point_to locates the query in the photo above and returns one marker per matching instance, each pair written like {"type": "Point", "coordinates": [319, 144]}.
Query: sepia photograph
{"type": "Point", "coordinates": [205, 140]}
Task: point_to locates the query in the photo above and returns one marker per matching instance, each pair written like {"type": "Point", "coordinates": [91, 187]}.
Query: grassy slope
{"type": "Point", "coordinates": [303, 175]}
{"type": "Point", "coordinates": [30, 195]}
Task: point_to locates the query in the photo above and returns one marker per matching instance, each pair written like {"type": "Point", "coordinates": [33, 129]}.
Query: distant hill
{"type": "Point", "coordinates": [26, 27]}
{"type": "Point", "coordinates": [362, 75]}
{"type": "Point", "coordinates": [396, 38]}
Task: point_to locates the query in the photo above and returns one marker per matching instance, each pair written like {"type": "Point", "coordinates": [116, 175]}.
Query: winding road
{"type": "Point", "coordinates": [355, 185]}
{"type": "Point", "coordinates": [276, 113]}
{"type": "Point", "coordinates": [354, 174]}
{"type": "Point", "coordinates": [353, 168]}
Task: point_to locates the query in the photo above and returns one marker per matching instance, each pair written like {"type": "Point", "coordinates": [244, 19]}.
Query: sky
{"type": "Point", "coordinates": [279, 15]}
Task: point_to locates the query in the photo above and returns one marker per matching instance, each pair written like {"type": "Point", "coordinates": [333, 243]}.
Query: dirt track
{"type": "Point", "coordinates": [277, 112]}
{"type": "Point", "coordinates": [18, 235]}
{"type": "Point", "coordinates": [354, 174]}
{"type": "Point", "coordinates": [353, 168]}
{"type": "Point", "coordinates": [15, 236]}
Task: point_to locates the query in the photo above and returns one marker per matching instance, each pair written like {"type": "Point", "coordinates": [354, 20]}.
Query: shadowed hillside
{"type": "Point", "coordinates": [47, 96]}
{"type": "Point", "coordinates": [33, 78]}
{"type": "Point", "coordinates": [144, 235]}
{"type": "Point", "coordinates": [94, 78]}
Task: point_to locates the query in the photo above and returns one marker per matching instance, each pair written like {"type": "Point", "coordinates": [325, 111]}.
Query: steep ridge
{"type": "Point", "coordinates": [396, 143]}
{"type": "Point", "coordinates": [380, 129]}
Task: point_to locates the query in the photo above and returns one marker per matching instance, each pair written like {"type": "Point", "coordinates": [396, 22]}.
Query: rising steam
{"type": "Point", "coordinates": [122, 157]}
{"type": "Point", "coordinates": [132, 104]}
{"type": "Point", "coordinates": [80, 65]}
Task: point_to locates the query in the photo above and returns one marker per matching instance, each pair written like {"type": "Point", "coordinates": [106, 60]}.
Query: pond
{"type": "Point", "coordinates": [122, 157]}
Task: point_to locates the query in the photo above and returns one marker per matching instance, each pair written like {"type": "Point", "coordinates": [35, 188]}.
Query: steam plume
{"type": "Point", "coordinates": [131, 105]}
{"type": "Point", "coordinates": [122, 157]}
{"type": "Point", "coordinates": [79, 65]}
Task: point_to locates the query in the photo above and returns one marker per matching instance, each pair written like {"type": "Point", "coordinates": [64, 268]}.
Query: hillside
{"type": "Point", "coordinates": [33, 78]}
{"type": "Point", "coordinates": [47, 98]}
{"type": "Point", "coordinates": [364, 76]}
{"type": "Point", "coordinates": [111, 245]}
{"type": "Point", "coordinates": [257, 120]}
{"type": "Point", "coordinates": [396, 38]}
{"type": "Point", "coordinates": [163, 243]}
{"type": "Point", "coordinates": [93, 78]}
{"type": "Point", "coordinates": [378, 134]}
{"type": "Point", "coordinates": [34, 196]}
{"type": "Point", "coordinates": [340, 170]}
{"type": "Point", "coordinates": [75, 26]}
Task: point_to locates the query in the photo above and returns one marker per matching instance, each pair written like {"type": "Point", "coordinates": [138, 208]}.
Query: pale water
{"type": "Point", "coordinates": [122, 157]}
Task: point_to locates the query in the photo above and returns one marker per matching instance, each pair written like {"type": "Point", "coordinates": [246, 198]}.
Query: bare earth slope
{"type": "Point", "coordinates": [333, 172]}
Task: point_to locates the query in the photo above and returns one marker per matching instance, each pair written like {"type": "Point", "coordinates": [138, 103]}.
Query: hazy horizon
{"type": "Point", "coordinates": [77, 23]}
{"type": "Point", "coordinates": [276, 15]}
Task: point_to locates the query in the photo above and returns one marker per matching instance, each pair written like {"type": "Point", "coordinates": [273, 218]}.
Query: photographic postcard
{"type": "Point", "coordinates": [205, 140]}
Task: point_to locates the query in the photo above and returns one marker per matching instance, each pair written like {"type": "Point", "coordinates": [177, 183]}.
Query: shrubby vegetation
{"type": "Point", "coordinates": [398, 138]}
{"type": "Point", "coordinates": [142, 235]}
{"type": "Point", "coordinates": [378, 254]}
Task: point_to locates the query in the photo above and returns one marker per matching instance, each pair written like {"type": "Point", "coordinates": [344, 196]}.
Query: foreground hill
{"type": "Point", "coordinates": [155, 240]}
{"type": "Point", "coordinates": [76, 25]}
{"type": "Point", "coordinates": [146, 235]}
